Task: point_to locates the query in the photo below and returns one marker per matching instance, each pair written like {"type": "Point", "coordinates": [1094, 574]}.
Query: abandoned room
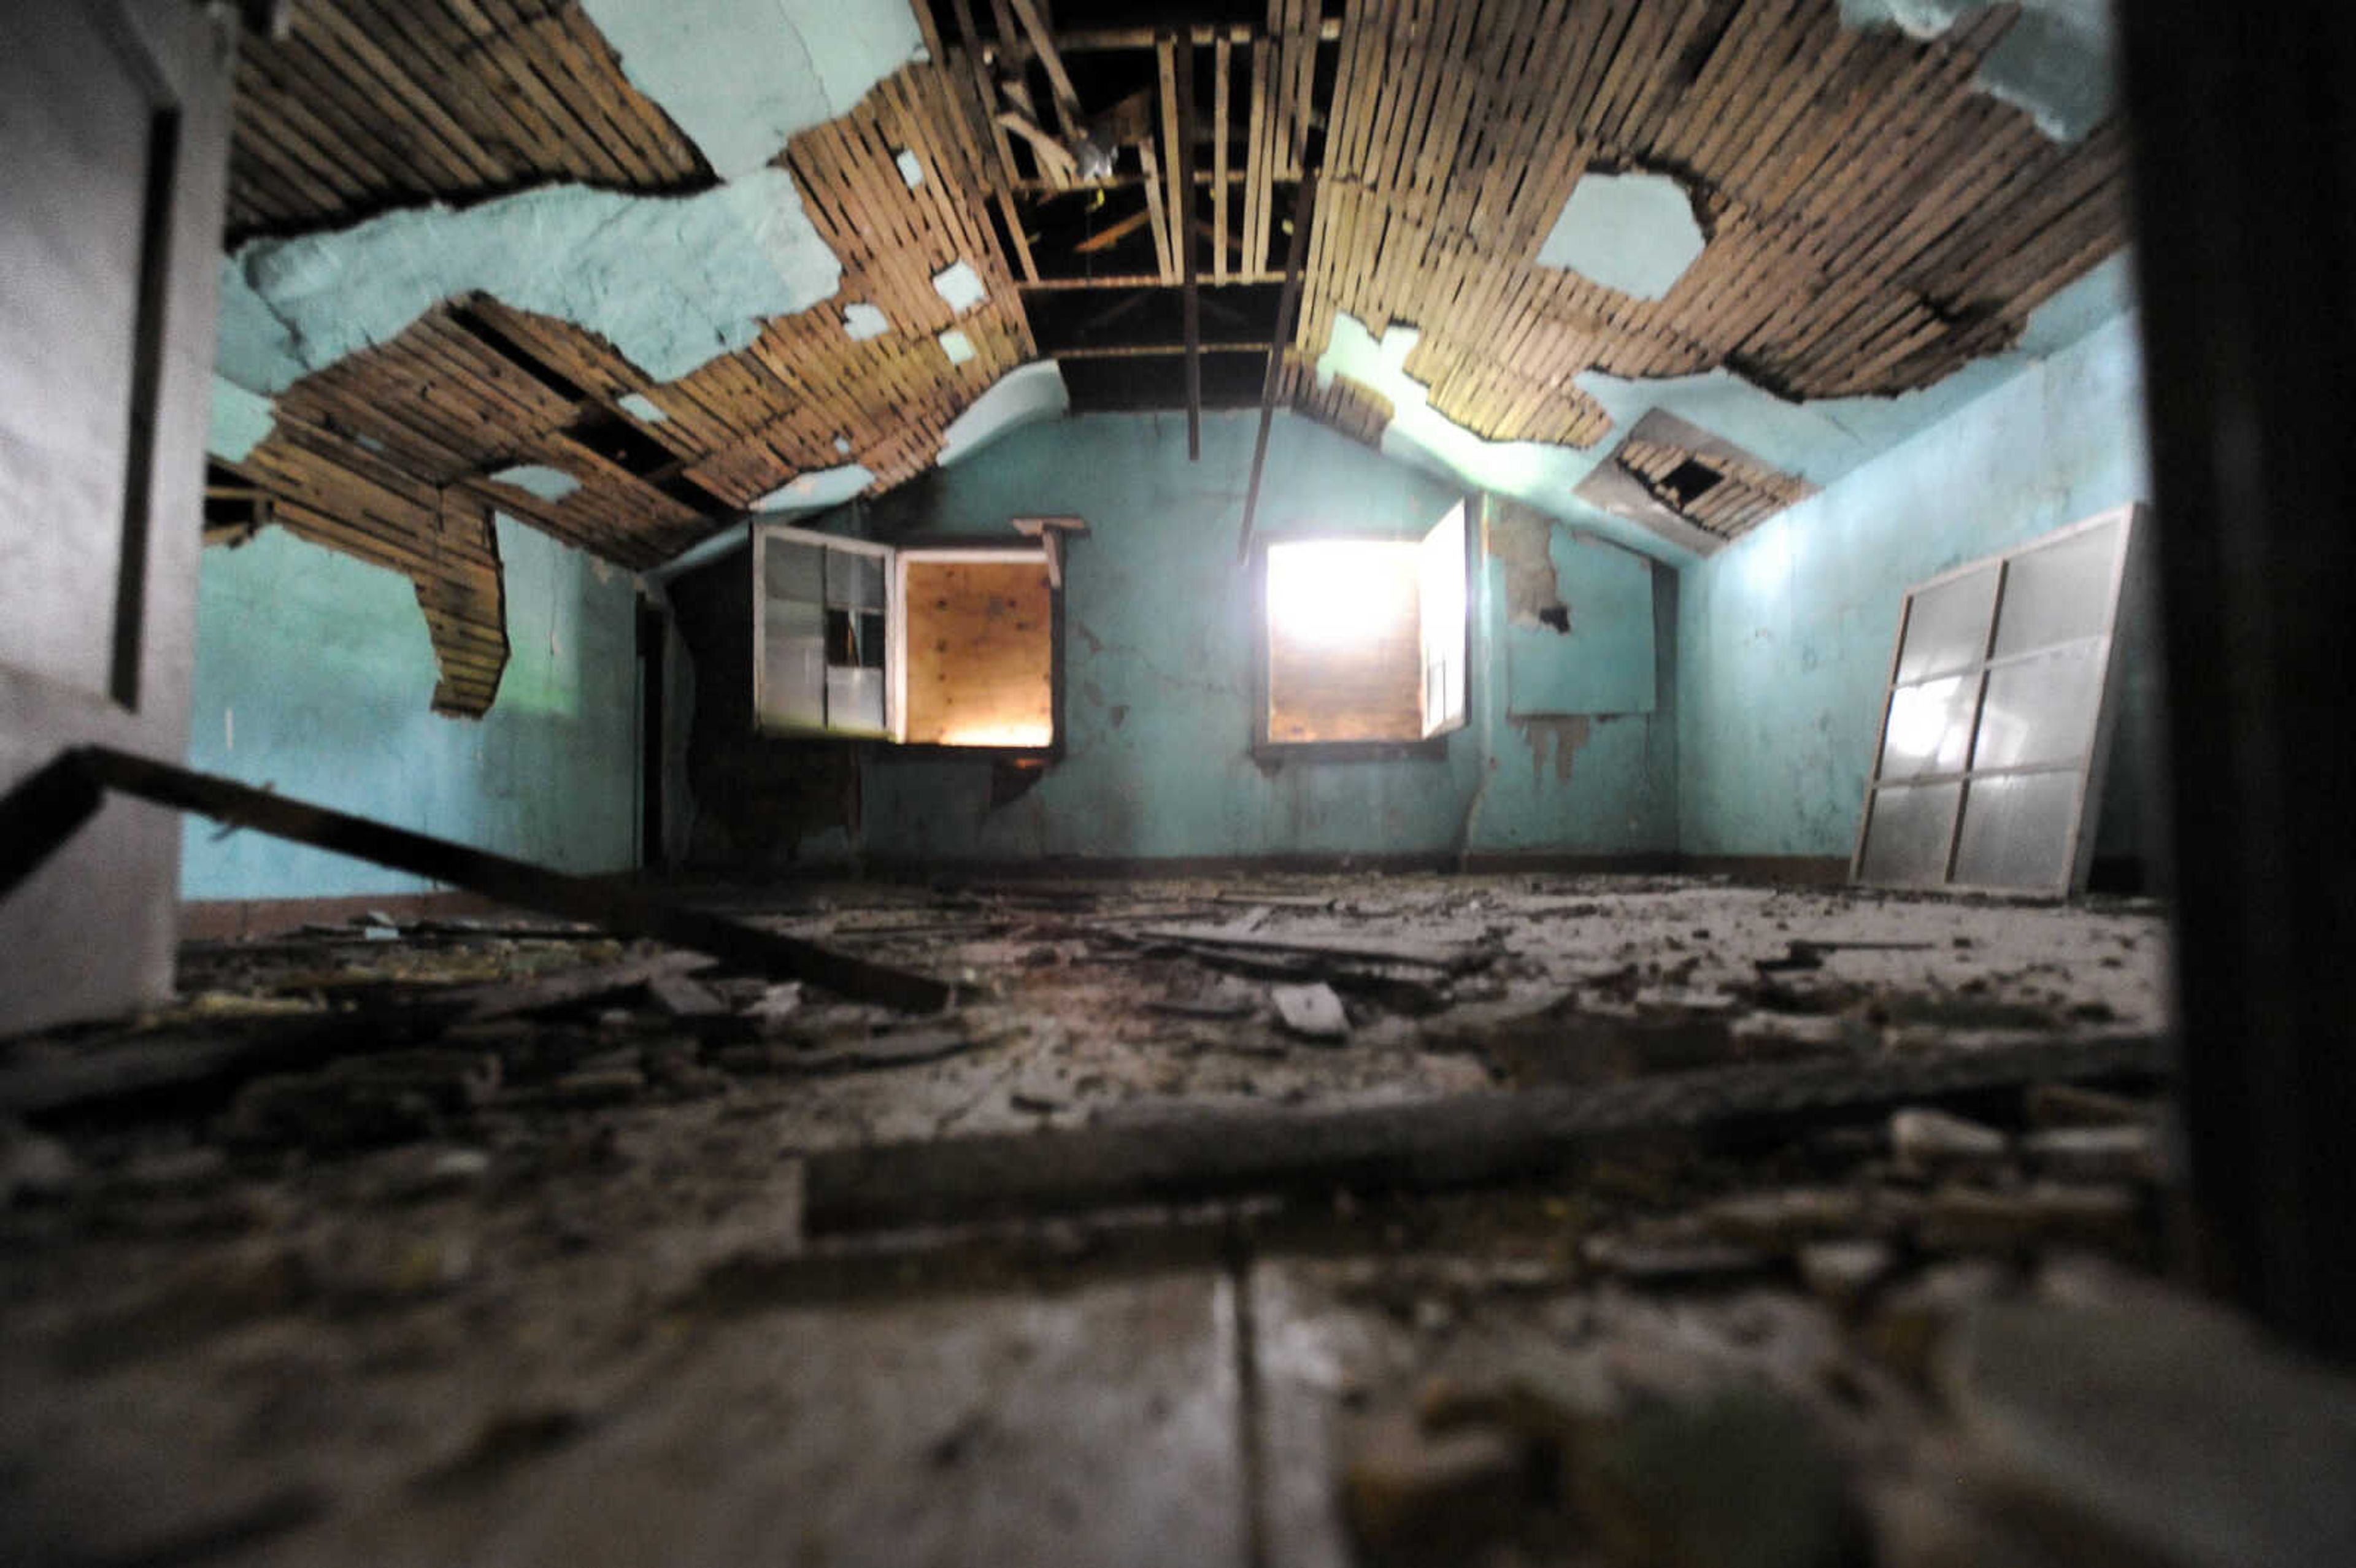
{"type": "Point", "coordinates": [1210, 782]}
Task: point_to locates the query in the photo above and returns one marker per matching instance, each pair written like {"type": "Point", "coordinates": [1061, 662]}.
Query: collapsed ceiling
{"type": "Point", "coordinates": [624, 271]}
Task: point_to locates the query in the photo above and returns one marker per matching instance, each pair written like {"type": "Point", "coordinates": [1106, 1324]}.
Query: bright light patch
{"type": "Point", "coordinates": [1039, 733]}
{"type": "Point", "coordinates": [1335, 594]}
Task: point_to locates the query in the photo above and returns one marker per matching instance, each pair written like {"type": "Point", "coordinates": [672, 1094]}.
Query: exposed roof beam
{"type": "Point", "coordinates": [1288, 307]}
{"type": "Point", "coordinates": [1182, 235]}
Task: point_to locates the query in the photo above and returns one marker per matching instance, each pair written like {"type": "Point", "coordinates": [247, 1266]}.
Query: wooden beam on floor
{"type": "Point", "coordinates": [42, 813]}
{"type": "Point", "coordinates": [1434, 1145]}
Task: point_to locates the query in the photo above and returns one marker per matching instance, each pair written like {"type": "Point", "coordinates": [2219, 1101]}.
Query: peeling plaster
{"type": "Point", "coordinates": [539, 479]}
{"type": "Point", "coordinates": [843, 445]}
{"type": "Point", "coordinates": [672, 282]}
{"type": "Point", "coordinates": [912, 170]}
{"type": "Point", "coordinates": [961, 285]}
{"type": "Point", "coordinates": [241, 420]}
{"type": "Point", "coordinates": [1565, 736]}
{"type": "Point", "coordinates": [1025, 394]}
{"type": "Point", "coordinates": [817, 490]}
{"type": "Point", "coordinates": [2058, 62]}
{"type": "Point", "coordinates": [957, 345]}
{"type": "Point", "coordinates": [1819, 440]}
{"type": "Point", "coordinates": [1518, 539]}
{"type": "Point", "coordinates": [1632, 232]}
{"type": "Point", "coordinates": [643, 407]}
{"type": "Point", "coordinates": [741, 76]}
{"type": "Point", "coordinates": [863, 321]}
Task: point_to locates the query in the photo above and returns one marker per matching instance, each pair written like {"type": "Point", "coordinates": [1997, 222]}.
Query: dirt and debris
{"type": "Point", "coordinates": [494, 1242]}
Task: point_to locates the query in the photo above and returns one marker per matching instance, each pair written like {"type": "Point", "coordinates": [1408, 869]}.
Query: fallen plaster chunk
{"type": "Point", "coordinates": [961, 285]}
{"type": "Point", "coordinates": [643, 407]}
{"type": "Point", "coordinates": [957, 345]}
{"type": "Point", "coordinates": [817, 490]}
{"type": "Point", "coordinates": [672, 282]}
{"type": "Point", "coordinates": [1632, 232]}
{"type": "Point", "coordinates": [539, 479]}
{"type": "Point", "coordinates": [1314, 1012]}
{"type": "Point", "coordinates": [1022, 396]}
{"type": "Point", "coordinates": [741, 76]}
{"type": "Point", "coordinates": [911, 170]}
{"type": "Point", "coordinates": [842, 444]}
{"type": "Point", "coordinates": [863, 321]}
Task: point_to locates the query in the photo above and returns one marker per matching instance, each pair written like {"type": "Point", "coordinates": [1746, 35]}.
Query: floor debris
{"type": "Point", "coordinates": [1591, 1244]}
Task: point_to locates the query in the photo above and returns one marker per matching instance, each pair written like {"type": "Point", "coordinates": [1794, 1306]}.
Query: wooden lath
{"type": "Point", "coordinates": [1874, 222]}
{"type": "Point", "coordinates": [1357, 411]}
{"type": "Point", "coordinates": [368, 104]}
{"type": "Point", "coordinates": [389, 455]}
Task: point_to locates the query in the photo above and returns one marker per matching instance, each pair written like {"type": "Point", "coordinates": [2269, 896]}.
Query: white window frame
{"type": "Point", "coordinates": [2090, 765]}
{"type": "Point", "coordinates": [895, 560]}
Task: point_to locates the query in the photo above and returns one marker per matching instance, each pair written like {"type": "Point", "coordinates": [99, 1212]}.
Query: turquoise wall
{"type": "Point", "coordinates": [1159, 680]}
{"type": "Point", "coordinates": [313, 677]}
{"type": "Point", "coordinates": [1784, 637]}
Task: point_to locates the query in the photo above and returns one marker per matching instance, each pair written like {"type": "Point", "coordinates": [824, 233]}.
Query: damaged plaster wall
{"type": "Point", "coordinates": [311, 674]}
{"type": "Point", "coordinates": [2057, 62]}
{"type": "Point", "coordinates": [1785, 635]}
{"type": "Point", "coordinates": [1819, 440]}
{"type": "Point", "coordinates": [672, 282]}
{"type": "Point", "coordinates": [1159, 639]}
{"type": "Point", "coordinates": [741, 76]}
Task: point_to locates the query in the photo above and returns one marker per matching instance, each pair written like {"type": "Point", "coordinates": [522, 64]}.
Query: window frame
{"type": "Point", "coordinates": [1269, 752]}
{"type": "Point", "coordinates": [895, 675]}
{"type": "Point", "coordinates": [890, 740]}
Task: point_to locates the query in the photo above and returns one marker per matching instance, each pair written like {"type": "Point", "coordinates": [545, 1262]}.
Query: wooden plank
{"type": "Point", "coordinates": [1288, 306]}
{"type": "Point", "coordinates": [1183, 233]}
{"type": "Point", "coordinates": [618, 910]}
{"type": "Point", "coordinates": [1221, 197]}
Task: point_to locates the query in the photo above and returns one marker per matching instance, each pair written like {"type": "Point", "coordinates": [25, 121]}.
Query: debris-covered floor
{"type": "Point", "coordinates": [1299, 1221]}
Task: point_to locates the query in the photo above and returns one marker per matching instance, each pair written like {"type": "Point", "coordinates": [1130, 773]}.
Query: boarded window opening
{"type": "Point", "coordinates": [979, 632]}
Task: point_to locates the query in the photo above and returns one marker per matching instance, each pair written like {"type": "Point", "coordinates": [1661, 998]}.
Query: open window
{"type": "Point", "coordinates": [925, 647]}
{"type": "Point", "coordinates": [1364, 640]}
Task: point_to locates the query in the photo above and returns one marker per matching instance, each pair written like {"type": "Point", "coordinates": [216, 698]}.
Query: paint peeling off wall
{"type": "Point", "coordinates": [817, 490]}
{"type": "Point", "coordinates": [862, 321]}
{"type": "Point", "coordinates": [1025, 394]}
{"type": "Point", "coordinates": [1632, 232]}
{"type": "Point", "coordinates": [240, 421]}
{"type": "Point", "coordinates": [1562, 737]}
{"type": "Point", "coordinates": [671, 281]}
{"type": "Point", "coordinates": [740, 77]}
{"type": "Point", "coordinates": [640, 405]}
{"type": "Point", "coordinates": [957, 345]}
{"type": "Point", "coordinates": [2058, 62]}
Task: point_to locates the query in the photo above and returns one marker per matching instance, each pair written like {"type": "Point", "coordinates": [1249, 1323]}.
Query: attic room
{"type": "Point", "coordinates": [1373, 782]}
